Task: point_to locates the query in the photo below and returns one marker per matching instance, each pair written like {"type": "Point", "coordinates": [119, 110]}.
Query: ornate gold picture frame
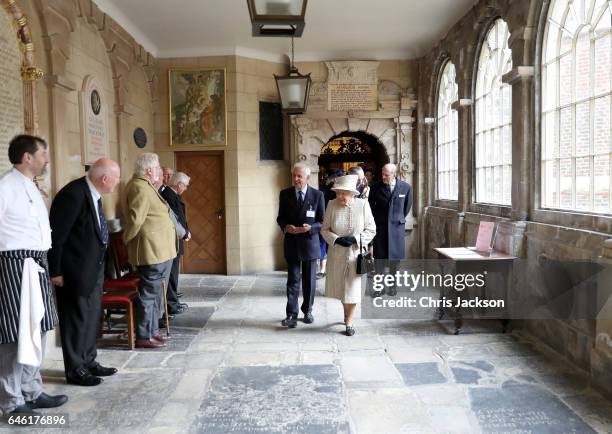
{"type": "Point", "coordinates": [197, 108]}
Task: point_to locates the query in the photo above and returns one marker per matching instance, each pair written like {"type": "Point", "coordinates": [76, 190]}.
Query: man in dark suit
{"type": "Point", "coordinates": [300, 216]}
{"type": "Point", "coordinates": [76, 265]}
{"type": "Point", "coordinates": [390, 201]}
{"type": "Point", "coordinates": [176, 186]}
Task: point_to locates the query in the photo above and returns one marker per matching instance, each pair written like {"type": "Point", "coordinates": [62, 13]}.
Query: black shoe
{"type": "Point", "coordinates": [82, 377]}
{"type": "Point", "coordinates": [23, 409]}
{"type": "Point", "coordinates": [180, 308]}
{"type": "Point", "coordinates": [308, 318]}
{"type": "Point", "coordinates": [350, 331]}
{"type": "Point", "coordinates": [290, 322]}
{"type": "Point", "coordinates": [47, 401]}
{"type": "Point", "coordinates": [392, 291]}
{"type": "Point", "coordinates": [179, 294]}
{"type": "Point", "coordinates": [320, 275]}
{"type": "Point", "coordinates": [376, 294]}
{"type": "Point", "coordinates": [101, 371]}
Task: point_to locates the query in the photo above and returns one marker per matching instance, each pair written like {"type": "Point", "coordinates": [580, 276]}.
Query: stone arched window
{"type": "Point", "coordinates": [493, 111]}
{"type": "Point", "coordinates": [447, 132]}
{"type": "Point", "coordinates": [576, 82]}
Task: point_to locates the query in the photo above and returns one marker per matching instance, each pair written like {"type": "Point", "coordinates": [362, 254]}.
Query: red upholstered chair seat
{"type": "Point", "coordinates": [120, 296]}
{"type": "Point", "coordinates": [114, 284]}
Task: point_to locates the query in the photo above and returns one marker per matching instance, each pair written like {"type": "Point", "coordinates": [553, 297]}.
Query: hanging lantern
{"type": "Point", "coordinates": [277, 17]}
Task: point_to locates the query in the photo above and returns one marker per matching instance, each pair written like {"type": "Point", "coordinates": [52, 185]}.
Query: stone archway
{"type": "Point", "coordinates": [391, 125]}
{"type": "Point", "coordinates": [350, 148]}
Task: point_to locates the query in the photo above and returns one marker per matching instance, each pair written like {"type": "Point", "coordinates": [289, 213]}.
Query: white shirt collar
{"type": "Point", "coordinates": [21, 176]}
{"type": "Point", "coordinates": [303, 190]}
{"type": "Point", "coordinates": [94, 193]}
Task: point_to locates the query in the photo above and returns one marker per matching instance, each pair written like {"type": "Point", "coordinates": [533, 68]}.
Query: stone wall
{"type": "Point", "coordinates": [72, 40]}
{"type": "Point", "coordinates": [524, 230]}
{"type": "Point", "coordinates": [253, 241]}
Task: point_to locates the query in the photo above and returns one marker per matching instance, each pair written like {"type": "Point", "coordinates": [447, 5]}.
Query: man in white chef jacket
{"type": "Point", "coordinates": [25, 238]}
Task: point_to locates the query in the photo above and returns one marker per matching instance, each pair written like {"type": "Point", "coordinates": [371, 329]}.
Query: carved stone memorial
{"type": "Point", "coordinates": [352, 85]}
{"type": "Point", "coordinates": [11, 88]}
{"type": "Point", "coordinates": [94, 121]}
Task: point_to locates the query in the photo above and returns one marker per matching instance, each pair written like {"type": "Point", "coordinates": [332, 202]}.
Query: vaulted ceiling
{"type": "Point", "coordinates": [335, 29]}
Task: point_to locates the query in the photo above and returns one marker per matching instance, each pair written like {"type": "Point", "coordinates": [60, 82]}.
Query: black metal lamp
{"type": "Point", "coordinates": [293, 89]}
{"type": "Point", "coordinates": [277, 17]}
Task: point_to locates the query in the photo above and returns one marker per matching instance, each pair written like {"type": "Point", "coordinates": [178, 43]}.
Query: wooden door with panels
{"type": "Point", "coordinates": [205, 204]}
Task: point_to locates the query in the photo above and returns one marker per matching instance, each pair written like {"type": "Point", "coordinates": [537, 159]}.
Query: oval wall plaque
{"type": "Point", "coordinates": [140, 137]}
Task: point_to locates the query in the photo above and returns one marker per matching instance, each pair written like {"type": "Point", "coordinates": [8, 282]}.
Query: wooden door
{"type": "Point", "coordinates": [205, 204]}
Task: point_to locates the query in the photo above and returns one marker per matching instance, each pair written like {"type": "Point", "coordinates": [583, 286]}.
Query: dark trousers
{"type": "Point", "coordinates": [173, 300]}
{"type": "Point", "coordinates": [79, 319]}
{"type": "Point", "coordinates": [309, 286]}
{"type": "Point", "coordinates": [381, 265]}
{"type": "Point", "coordinates": [150, 297]}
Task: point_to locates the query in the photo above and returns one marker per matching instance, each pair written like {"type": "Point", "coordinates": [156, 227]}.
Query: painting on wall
{"type": "Point", "coordinates": [197, 106]}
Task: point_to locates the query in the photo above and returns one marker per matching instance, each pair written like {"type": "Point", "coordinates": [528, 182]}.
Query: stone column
{"type": "Point", "coordinates": [403, 127]}
{"type": "Point", "coordinates": [521, 80]}
{"type": "Point", "coordinates": [58, 86]}
{"type": "Point", "coordinates": [464, 163]}
{"type": "Point", "coordinates": [30, 75]}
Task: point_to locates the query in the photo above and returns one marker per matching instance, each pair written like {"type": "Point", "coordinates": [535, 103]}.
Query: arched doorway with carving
{"type": "Point", "coordinates": [352, 148]}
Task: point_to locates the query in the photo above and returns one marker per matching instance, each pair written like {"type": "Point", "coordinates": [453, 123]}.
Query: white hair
{"type": "Point", "coordinates": [145, 161]}
{"type": "Point", "coordinates": [390, 166]}
{"type": "Point", "coordinates": [179, 177]}
{"type": "Point", "coordinates": [300, 165]}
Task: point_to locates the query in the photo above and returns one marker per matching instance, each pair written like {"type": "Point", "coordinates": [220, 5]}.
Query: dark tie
{"type": "Point", "coordinates": [301, 198]}
{"type": "Point", "coordinates": [388, 189]}
{"type": "Point", "coordinates": [103, 226]}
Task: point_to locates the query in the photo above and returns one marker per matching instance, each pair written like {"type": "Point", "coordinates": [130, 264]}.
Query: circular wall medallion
{"type": "Point", "coordinates": [96, 103]}
{"type": "Point", "coordinates": [140, 137]}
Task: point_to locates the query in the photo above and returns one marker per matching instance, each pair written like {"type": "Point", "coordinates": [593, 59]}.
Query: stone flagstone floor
{"type": "Point", "coordinates": [234, 369]}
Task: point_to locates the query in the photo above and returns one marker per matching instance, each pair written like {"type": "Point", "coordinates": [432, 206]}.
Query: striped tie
{"type": "Point", "coordinates": [103, 226]}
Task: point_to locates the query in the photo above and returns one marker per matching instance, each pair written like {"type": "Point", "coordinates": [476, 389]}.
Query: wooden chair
{"type": "Point", "coordinates": [126, 280]}
{"type": "Point", "coordinates": [119, 299]}
{"type": "Point", "coordinates": [119, 255]}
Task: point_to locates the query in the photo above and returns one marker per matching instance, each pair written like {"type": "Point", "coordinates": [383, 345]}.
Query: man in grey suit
{"type": "Point", "coordinates": [300, 217]}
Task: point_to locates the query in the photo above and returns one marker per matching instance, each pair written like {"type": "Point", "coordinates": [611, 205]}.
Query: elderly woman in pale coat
{"type": "Point", "coordinates": [347, 226]}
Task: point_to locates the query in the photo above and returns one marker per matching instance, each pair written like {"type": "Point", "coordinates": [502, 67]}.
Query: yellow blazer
{"type": "Point", "coordinates": [149, 234]}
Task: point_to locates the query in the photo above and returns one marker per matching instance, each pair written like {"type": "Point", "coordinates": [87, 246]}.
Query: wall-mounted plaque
{"type": "Point", "coordinates": [11, 88]}
{"type": "Point", "coordinates": [140, 137]}
{"type": "Point", "coordinates": [94, 121]}
{"type": "Point", "coordinates": [352, 85]}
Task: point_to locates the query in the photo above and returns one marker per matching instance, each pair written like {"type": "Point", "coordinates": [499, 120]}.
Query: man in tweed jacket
{"type": "Point", "coordinates": [150, 237]}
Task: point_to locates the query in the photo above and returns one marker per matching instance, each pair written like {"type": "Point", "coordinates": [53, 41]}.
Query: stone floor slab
{"type": "Point", "coordinates": [388, 411]}
{"type": "Point", "coordinates": [195, 317]}
{"type": "Point", "coordinates": [524, 408]}
{"type": "Point", "coordinates": [368, 368]}
{"type": "Point", "coordinates": [419, 374]}
{"type": "Point", "coordinates": [305, 399]}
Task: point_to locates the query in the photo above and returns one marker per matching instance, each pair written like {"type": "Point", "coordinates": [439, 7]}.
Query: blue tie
{"type": "Point", "coordinates": [301, 198]}
{"type": "Point", "coordinates": [103, 226]}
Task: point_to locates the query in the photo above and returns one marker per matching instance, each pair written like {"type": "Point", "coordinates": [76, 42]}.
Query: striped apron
{"type": "Point", "coordinates": [11, 271]}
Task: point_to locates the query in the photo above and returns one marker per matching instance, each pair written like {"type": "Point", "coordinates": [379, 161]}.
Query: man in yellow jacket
{"type": "Point", "coordinates": [150, 237]}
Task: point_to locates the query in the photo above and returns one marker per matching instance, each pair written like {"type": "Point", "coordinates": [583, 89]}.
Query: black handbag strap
{"type": "Point", "coordinates": [361, 248]}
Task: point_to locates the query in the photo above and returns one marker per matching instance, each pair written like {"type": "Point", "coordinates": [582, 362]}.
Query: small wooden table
{"type": "Point", "coordinates": [467, 260]}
